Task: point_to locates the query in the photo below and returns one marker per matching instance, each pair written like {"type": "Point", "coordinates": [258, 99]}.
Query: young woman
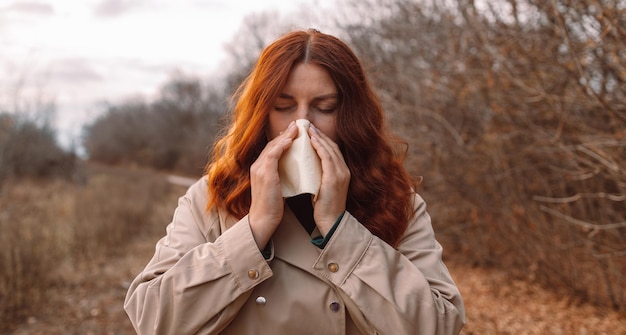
{"type": "Point", "coordinates": [358, 258]}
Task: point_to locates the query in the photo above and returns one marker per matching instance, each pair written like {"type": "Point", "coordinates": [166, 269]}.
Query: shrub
{"type": "Point", "coordinates": [514, 111]}
{"type": "Point", "coordinates": [52, 229]}
{"type": "Point", "coordinates": [28, 149]}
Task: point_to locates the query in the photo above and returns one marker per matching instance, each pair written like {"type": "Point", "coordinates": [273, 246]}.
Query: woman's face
{"type": "Point", "coordinates": [309, 93]}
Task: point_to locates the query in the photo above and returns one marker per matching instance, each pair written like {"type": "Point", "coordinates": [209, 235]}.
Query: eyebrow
{"type": "Point", "coordinates": [321, 97]}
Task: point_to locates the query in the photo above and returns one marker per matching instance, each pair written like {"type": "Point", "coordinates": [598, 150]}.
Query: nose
{"type": "Point", "coordinates": [303, 112]}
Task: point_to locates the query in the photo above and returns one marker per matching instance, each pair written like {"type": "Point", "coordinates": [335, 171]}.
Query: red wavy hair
{"type": "Point", "coordinates": [380, 193]}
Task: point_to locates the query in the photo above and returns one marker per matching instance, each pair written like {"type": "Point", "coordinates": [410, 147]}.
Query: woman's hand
{"type": "Point", "coordinates": [333, 193]}
{"type": "Point", "coordinates": [267, 206]}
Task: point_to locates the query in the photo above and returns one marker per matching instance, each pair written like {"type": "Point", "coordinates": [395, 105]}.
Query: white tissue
{"type": "Point", "coordinates": [300, 169]}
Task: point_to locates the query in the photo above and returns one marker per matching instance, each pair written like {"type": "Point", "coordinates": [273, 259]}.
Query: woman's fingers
{"type": "Point", "coordinates": [265, 168]}
{"type": "Point", "coordinates": [331, 156]}
{"type": "Point", "coordinates": [332, 197]}
{"type": "Point", "coordinates": [275, 147]}
{"type": "Point", "coordinates": [266, 208]}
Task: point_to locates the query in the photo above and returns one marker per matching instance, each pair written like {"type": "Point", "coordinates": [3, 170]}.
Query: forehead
{"type": "Point", "coordinates": [308, 78]}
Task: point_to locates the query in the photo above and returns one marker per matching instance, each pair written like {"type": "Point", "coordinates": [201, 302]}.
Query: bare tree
{"type": "Point", "coordinates": [28, 143]}
{"type": "Point", "coordinates": [515, 113]}
{"type": "Point", "coordinates": [172, 133]}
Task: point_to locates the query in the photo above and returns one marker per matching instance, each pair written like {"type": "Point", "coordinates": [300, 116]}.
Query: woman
{"type": "Point", "coordinates": [359, 259]}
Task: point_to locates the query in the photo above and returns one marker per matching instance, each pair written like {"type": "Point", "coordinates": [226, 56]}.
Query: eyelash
{"type": "Point", "coordinates": [325, 110]}
{"type": "Point", "coordinates": [282, 109]}
{"type": "Point", "coordinates": [322, 110]}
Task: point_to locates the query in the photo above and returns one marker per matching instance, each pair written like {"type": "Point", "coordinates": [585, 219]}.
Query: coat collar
{"type": "Point", "coordinates": [292, 243]}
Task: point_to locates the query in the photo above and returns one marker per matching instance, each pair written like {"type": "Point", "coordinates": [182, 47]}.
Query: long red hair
{"type": "Point", "coordinates": [380, 193]}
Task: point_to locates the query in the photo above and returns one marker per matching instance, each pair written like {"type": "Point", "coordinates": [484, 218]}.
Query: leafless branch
{"type": "Point", "coordinates": [579, 196]}
{"type": "Point", "coordinates": [584, 224]}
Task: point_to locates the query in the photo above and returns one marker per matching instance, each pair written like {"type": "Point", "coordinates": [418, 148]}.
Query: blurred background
{"type": "Point", "coordinates": [514, 111]}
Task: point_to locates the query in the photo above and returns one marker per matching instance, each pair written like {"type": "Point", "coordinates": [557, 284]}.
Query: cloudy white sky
{"type": "Point", "coordinates": [78, 53]}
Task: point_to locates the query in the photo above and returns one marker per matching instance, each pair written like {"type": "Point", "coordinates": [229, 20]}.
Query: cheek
{"type": "Point", "coordinates": [331, 132]}
{"type": "Point", "coordinates": [329, 127]}
{"type": "Point", "coordinates": [271, 133]}
{"type": "Point", "coordinates": [275, 125]}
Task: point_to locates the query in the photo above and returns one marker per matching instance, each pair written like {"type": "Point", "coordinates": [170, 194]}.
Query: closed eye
{"type": "Point", "coordinates": [324, 103]}
{"type": "Point", "coordinates": [283, 108]}
{"type": "Point", "coordinates": [326, 110]}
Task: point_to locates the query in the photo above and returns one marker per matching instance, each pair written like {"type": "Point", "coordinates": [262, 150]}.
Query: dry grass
{"type": "Point", "coordinates": [56, 234]}
{"type": "Point", "coordinates": [81, 284]}
{"type": "Point", "coordinates": [498, 304]}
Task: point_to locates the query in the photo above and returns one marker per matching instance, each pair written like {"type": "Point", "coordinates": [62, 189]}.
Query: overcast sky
{"type": "Point", "coordinates": [81, 52]}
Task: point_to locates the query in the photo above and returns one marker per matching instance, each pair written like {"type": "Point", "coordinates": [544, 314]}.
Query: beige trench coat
{"type": "Point", "coordinates": [208, 276]}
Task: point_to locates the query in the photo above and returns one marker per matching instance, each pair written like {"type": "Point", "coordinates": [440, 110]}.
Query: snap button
{"type": "Point", "coordinates": [260, 301]}
{"type": "Point", "coordinates": [333, 267]}
{"type": "Point", "coordinates": [253, 274]}
{"type": "Point", "coordinates": [334, 306]}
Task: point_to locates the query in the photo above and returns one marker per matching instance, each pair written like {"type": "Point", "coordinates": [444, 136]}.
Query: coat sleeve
{"type": "Point", "coordinates": [407, 290]}
{"type": "Point", "coordinates": [193, 284]}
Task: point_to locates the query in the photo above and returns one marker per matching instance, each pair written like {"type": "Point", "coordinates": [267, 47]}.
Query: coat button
{"type": "Point", "coordinates": [260, 301]}
{"type": "Point", "coordinates": [333, 267]}
{"type": "Point", "coordinates": [253, 274]}
{"type": "Point", "coordinates": [334, 306]}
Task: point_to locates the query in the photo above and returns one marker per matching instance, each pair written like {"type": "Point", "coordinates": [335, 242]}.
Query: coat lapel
{"type": "Point", "coordinates": [293, 245]}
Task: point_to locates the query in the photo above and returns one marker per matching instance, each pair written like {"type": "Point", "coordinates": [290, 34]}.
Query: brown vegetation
{"type": "Point", "coordinates": [28, 148]}
{"type": "Point", "coordinates": [55, 232]}
{"type": "Point", "coordinates": [514, 112]}
{"type": "Point", "coordinates": [172, 133]}
{"type": "Point", "coordinates": [81, 284]}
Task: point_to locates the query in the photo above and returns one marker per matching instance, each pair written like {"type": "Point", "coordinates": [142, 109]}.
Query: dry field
{"type": "Point", "coordinates": [84, 293]}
